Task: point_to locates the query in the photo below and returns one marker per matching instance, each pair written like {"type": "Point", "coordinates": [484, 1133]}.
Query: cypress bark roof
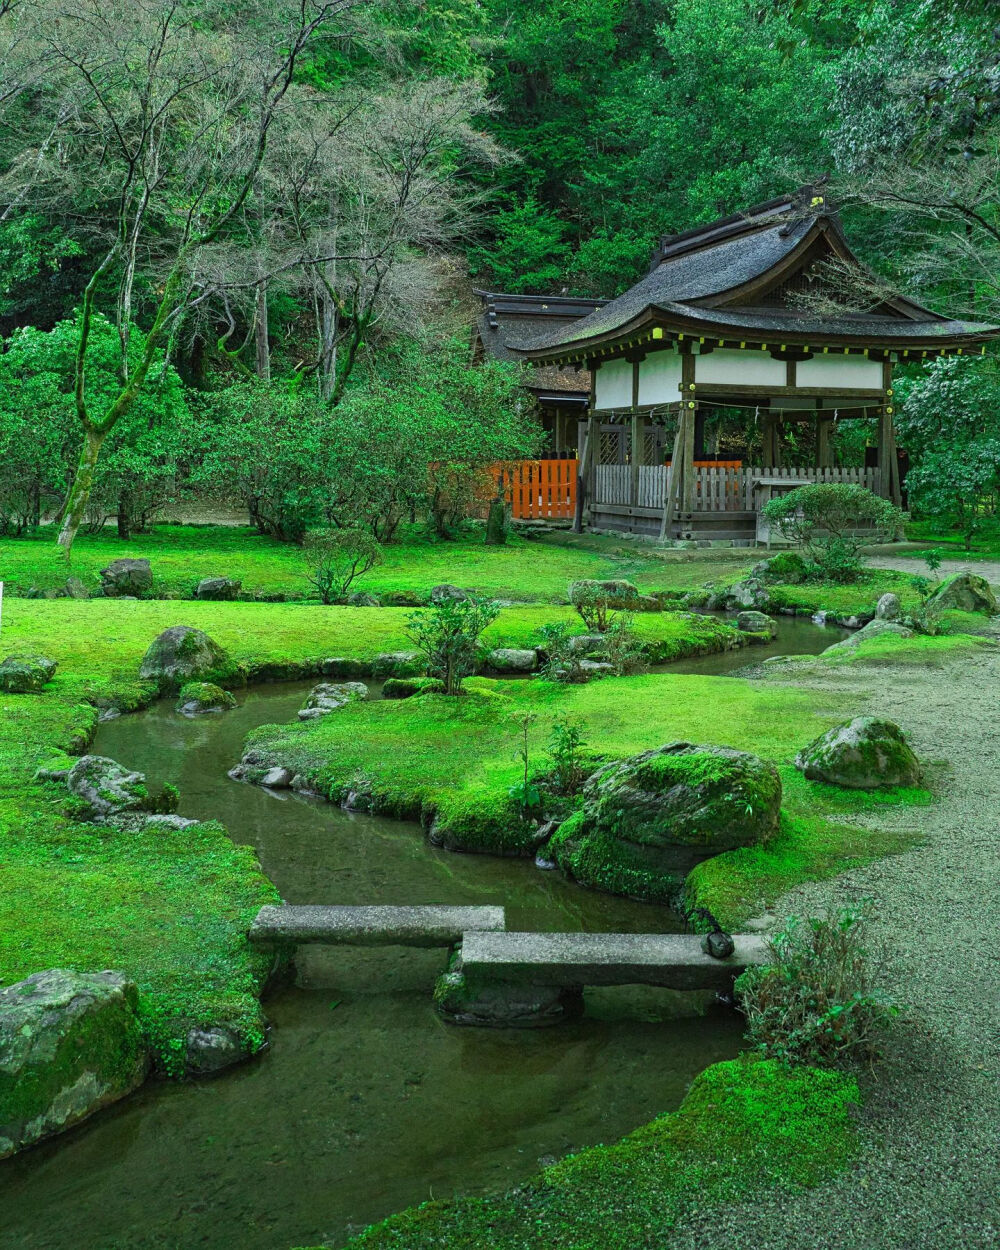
{"type": "Point", "coordinates": [738, 277]}
{"type": "Point", "coordinates": [508, 322]}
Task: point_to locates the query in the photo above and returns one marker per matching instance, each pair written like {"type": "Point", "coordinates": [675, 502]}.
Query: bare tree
{"type": "Point", "coordinates": [149, 133]}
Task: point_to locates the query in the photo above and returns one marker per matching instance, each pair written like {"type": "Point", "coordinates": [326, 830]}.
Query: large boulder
{"type": "Point", "coordinates": [218, 589]}
{"type": "Point", "coordinates": [70, 1044]}
{"type": "Point", "coordinates": [966, 592]}
{"type": "Point", "coordinates": [512, 660]}
{"type": "Point", "coordinates": [199, 697]}
{"type": "Point", "coordinates": [646, 821]}
{"type": "Point", "coordinates": [863, 754]}
{"type": "Point", "coordinates": [328, 696]}
{"type": "Point", "coordinates": [182, 654]}
{"type": "Point", "coordinates": [25, 674]}
{"type": "Point", "coordinates": [105, 787]}
{"type": "Point", "coordinates": [127, 578]}
{"type": "Point", "coordinates": [888, 607]}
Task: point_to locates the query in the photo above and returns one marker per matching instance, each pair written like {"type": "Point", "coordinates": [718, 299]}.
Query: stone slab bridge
{"type": "Point", "coordinates": [503, 979]}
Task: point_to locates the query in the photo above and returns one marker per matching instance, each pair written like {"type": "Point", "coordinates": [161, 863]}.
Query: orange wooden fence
{"type": "Point", "coordinates": [540, 488]}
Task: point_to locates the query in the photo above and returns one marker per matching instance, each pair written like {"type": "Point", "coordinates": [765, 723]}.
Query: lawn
{"type": "Point", "coordinates": [524, 570]}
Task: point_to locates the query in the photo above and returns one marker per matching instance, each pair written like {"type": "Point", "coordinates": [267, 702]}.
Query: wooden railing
{"type": "Point", "coordinates": [717, 487]}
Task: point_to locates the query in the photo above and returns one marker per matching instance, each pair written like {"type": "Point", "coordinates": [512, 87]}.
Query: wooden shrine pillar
{"type": "Point", "coordinates": [586, 457]}
{"type": "Point", "coordinates": [771, 437]}
{"type": "Point", "coordinates": [888, 461]}
{"type": "Point", "coordinates": [681, 495]}
{"type": "Point", "coordinates": [824, 428]}
{"type": "Point", "coordinates": [635, 457]}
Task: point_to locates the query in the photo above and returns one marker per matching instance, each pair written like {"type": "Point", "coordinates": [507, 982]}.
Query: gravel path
{"type": "Point", "coordinates": [990, 569]}
{"type": "Point", "coordinates": [930, 1177]}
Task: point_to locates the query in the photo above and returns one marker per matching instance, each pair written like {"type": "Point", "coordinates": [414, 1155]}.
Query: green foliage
{"type": "Point", "coordinates": [565, 744]}
{"type": "Point", "coordinates": [336, 558]}
{"type": "Point", "coordinates": [40, 435]}
{"type": "Point", "coordinates": [950, 426]}
{"type": "Point", "coordinates": [820, 999]}
{"type": "Point", "coordinates": [448, 635]}
{"type": "Point", "coordinates": [825, 518]}
{"type": "Point", "coordinates": [594, 600]}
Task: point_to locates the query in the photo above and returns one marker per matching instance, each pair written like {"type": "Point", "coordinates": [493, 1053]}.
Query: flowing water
{"type": "Point", "coordinates": [365, 1101]}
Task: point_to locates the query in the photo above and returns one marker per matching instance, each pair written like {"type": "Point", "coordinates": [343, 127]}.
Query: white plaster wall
{"type": "Point", "coordinates": [842, 372]}
{"type": "Point", "coordinates": [746, 367]}
{"type": "Point", "coordinates": [613, 384]}
{"type": "Point", "coordinates": [659, 377]}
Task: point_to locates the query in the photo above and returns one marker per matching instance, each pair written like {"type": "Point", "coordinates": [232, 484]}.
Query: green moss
{"type": "Point", "coordinates": [920, 649]}
{"type": "Point", "coordinates": [857, 599]}
{"type": "Point", "coordinates": [596, 858]}
{"type": "Point", "coordinates": [745, 1125]}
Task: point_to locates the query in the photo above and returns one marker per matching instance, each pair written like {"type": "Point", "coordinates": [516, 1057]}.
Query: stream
{"type": "Point", "coordinates": [365, 1102]}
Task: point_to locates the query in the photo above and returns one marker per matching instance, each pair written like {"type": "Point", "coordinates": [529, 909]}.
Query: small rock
{"type": "Point", "coordinates": [398, 664]}
{"type": "Point", "coordinates": [445, 591]}
{"type": "Point", "coordinates": [749, 593]}
{"type": "Point", "coordinates": [106, 787]}
{"type": "Point", "coordinates": [592, 669]}
{"type": "Point", "coordinates": [218, 589]}
{"type": "Point", "coordinates": [887, 608]}
{"type": "Point", "coordinates": [756, 623]}
{"type": "Point", "coordinates": [719, 945]}
{"type": "Point", "coordinates": [327, 697]}
{"type": "Point", "coordinates": [131, 578]}
{"type": "Point", "coordinates": [362, 599]}
{"type": "Point", "coordinates": [277, 778]}
{"type": "Point", "coordinates": [75, 589]}
{"type": "Point", "coordinates": [512, 660]}
{"type": "Point", "coordinates": [820, 618]}
{"type": "Point", "coordinates": [211, 1049]}
{"type": "Point", "coordinates": [588, 644]}
{"type": "Point", "coordinates": [200, 697]}
{"type": "Point", "coordinates": [25, 674]}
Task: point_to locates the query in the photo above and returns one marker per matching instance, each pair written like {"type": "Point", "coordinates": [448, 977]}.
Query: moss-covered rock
{"type": "Point", "coordinates": [398, 664]}
{"type": "Point", "coordinates": [407, 687]}
{"type": "Point", "coordinates": [198, 697]}
{"type": "Point", "coordinates": [70, 1044]}
{"type": "Point", "coordinates": [967, 592]}
{"type": "Point", "coordinates": [182, 654]}
{"type": "Point", "coordinates": [863, 754]}
{"type": "Point", "coordinates": [25, 674]}
{"type": "Point", "coordinates": [646, 821]}
{"type": "Point", "coordinates": [104, 788]}
{"type": "Point", "coordinates": [127, 578]}
{"type": "Point", "coordinates": [329, 697]}
{"type": "Point", "coordinates": [751, 622]}
{"type": "Point", "coordinates": [512, 659]}
{"type": "Point", "coordinates": [503, 1005]}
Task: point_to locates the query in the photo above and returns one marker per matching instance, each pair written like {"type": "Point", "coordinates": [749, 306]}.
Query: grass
{"type": "Point", "coordinates": [454, 760]}
{"type": "Point", "coordinates": [858, 598]}
{"type": "Point", "coordinates": [745, 1125]}
{"type": "Point", "coordinates": [524, 570]}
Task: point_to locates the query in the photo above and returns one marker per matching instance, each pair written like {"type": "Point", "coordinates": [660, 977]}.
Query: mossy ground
{"type": "Point", "coordinates": [857, 598]}
{"type": "Point", "coordinates": [181, 555]}
{"type": "Point", "coordinates": [744, 1125]}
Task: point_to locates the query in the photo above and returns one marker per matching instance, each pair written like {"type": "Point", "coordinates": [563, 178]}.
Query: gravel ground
{"type": "Point", "coordinates": [930, 1173]}
{"type": "Point", "coordinates": [990, 569]}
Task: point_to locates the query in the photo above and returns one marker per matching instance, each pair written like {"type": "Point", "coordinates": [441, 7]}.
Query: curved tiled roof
{"type": "Point", "coordinates": [694, 272]}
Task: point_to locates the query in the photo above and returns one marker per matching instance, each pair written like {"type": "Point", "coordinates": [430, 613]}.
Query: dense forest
{"type": "Point", "coordinates": [234, 230]}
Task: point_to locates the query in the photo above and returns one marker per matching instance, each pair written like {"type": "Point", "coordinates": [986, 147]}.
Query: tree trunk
{"type": "Point", "coordinates": [327, 334]}
{"type": "Point", "coordinates": [496, 523]}
{"type": "Point", "coordinates": [79, 494]}
{"type": "Point", "coordinates": [261, 334]}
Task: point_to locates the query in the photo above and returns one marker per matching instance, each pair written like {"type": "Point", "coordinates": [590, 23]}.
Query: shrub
{"type": "Point", "coordinates": [448, 636]}
{"type": "Point", "coordinates": [824, 518]}
{"type": "Point", "coordinates": [624, 651]}
{"type": "Point", "coordinates": [564, 747]}
{"type": "Point", "coordinates": [562, 661]}
{"type": "Point", "coordinates": [594, 600]}
{"type": "Point", "coordinates": [819, 1000]}
{"type": "Point", "coordinates": [335, 558]}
